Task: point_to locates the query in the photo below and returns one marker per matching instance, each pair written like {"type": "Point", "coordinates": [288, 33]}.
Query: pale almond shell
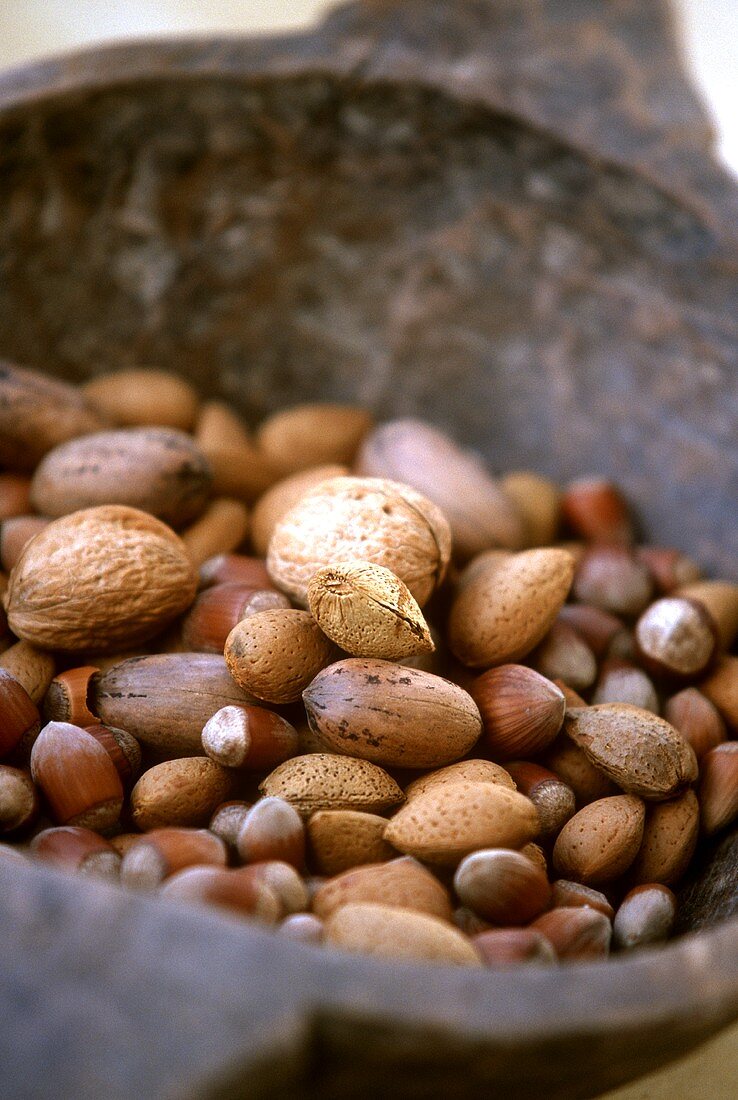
{"type": "Point", "coordinates": [324, 781]}
{"type": "Point", "coordinates": [391, 933]}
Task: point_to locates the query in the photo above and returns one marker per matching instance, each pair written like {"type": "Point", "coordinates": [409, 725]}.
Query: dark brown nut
{"type": "Point", "coordinates": [502, 886]}
{"type": "Point", "coordinates": [165, 700]}
{"type": "Point", "coordinates": [251, 738]}
{"type": "Point", "coordinates": [718, 791]}
{"type": "Point", "coordinates": [513, 946]}
{"type": "Point", "coordinates": [235, 569]}
{"type": "Point", "coordinates": [720, 600]}
{"type": "Point", "coordinates": [78, 778]}
{"type": "Point", "coordinates": [324, 781]}
{"type": "Point", "coordinates": [402, 882]}
{"type": "Point", "coordinates": [217, 610]}
{"type": "Point", "coordinates": [98, 579]}
{"type": "Point", "coordinates": [538, 501]}
{"type": "Point", "coordinates": [162, 852]}
{"type": "Point", "coordinates": [505, 609]}
{"type": "Point", "coordinates": [521, 711]}
{"type": "Point", "coordinates": [669, 568]}
{"type": "Point", "coordinates": [580, 933]}
{"type": "Point", "coordinates": [143, 396]}
{"type": "Point", "coordinates": [342, 839]}
{"type": "Point", "coordinates": [676, 637]}
{"type": "Point", "coordinates": [599, 629]}
{"type": "Point", "coordinates": [77, 849]}
{"type": "Point", "coordinates": [621, 682]}
{"type": "Point", "coordinates": [645, 916]}
{"type": "Point", "coordinates": [313, 435]}
{"type": "Point", "coordinates": [222, 528]}
{"type": "Point", "coordinates": [179, 792]}
{"type": "Point", "coordinates": [19, 802]}
{"type": "Point", "coordinates": [122, 748]}
{"type": "Point", "coordinates": [601, 841]}
{"type": "Point", "coordinates": [272, 830]}
{"type": "Point", "coordinates": [571, 895]}
{"type": "Point", "coordinates": [20, 720]}
{"type": "Point", "coordinates": [302, 928]}
{"type": "Point", "coordinates": [284, 880]}
{"type": "Point", "coordinates": [387, 932]}
{"type": "Point", "coordinates": [720, 687]}
{"type": "Point", "coordinates": [643, 754]}
{"type": "Point", "coordinates": [36, 414]}
{"type": "Point", "coordinates": [611, 578]}
{"type": "Point", "coordinates": [597, 511]}
{"type": "Point", "coordinates": [227, 820]}
{"type": "Point", "coordinates": [33, 668]}
{"type": "Point", "coordinates": [15, 534]}
{"type": "Point", "coordinates": [225, 889]}
{"type": "Point", "coordinates": [281, 497]}
{"type": "Point", "coordinates": [467, 921]}
{"type": "Point", "coordinates": [274, 655]}
{"type": "Point", "coordinates": [573, 767]}
{"type": "Point", "coordinates": [391, 714]}
{"type": "Point", "coordinates": [67, 697]}
{"type": "Point", "coordinates": [669, 840]}
{"type": "Point", "coordinates": [158, 470]}
{"type": "Point", "coordinates": [564, 655]}
{"type": "Point", "coordinates": [697, 719]}
{"type": "Point", "coordinates": [15, 496]}
{"type": "Point", "coordinates": [554, 799]}
{"type": "Point", "coordinates": [480, 512]}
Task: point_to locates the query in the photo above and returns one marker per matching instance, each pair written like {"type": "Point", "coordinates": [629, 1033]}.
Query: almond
{"type": "Point", "coordinates": [33, 668]}
{"type": "Point", "coordinates": [221, 528]}
{"type": "Point", "coordinates": [720, 687]}
{"type": "Point", "coordinates": [367, 611]}
{"type": "Point", "coordinates": [403, 882]}
{"type": "Point", "coordinates": [274, 655]}
{"type": "Point", "coordinates": [280, 498]}
{"type": "Point", "coordinates": [643, 754]}
{"type": "Point", "coordinates": [99, 579]}
{"type": "Point", "coordinates": [669, 841]}
{"type": "Point", "coordinates": [322, 781]}
{"type": "Point", "coordinates": [480, 512]}
{"type": "Point", "coordinates": [158, 470]}
{"type": "Point", "coordinates": [179, 792]}
{"type": "Point", "coordinates": [538, 500]}
{"type": "Point", "coordinates": [521, 710]}
{"type": "Point", "coordinates": [342, 839]}
{"type": "Point", "coordinates": [361, 519]}
{"type": "Point", "coordinates": [501, 614]}
{"type": "Point", "coordinates": [474, 771]}
{"type": "Point", "coordinates": [719, 787]}
{"type": "Point", "coordinates": [387, 932]}
{"type": "Point", "coordinates": [601, 841]}
{"type": "Point", "coordinates": [313, 435]}
{"type": "Point", "coordinates": [143, 397]}
{"type": "Point", "coordinates": [446, 823]}
{"type": "Point", "coordinates": [391, 714]}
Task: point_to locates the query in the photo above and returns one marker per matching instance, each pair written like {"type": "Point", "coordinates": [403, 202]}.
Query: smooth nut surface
{"type": "Point", "coordinates": [274, 655]}
{"type": "Point", "coordinates": [601, 841]}
{"type": "Point", "coordinates": [521, 710]}
{"type": "Point", "coordinates": [179, 792]}
{"type": "Point", "coordinates": [390, 933]}
{"type": "Point", "coordinates": [342, 839]}
{"type": "Point", "coordinates": [402, 882]}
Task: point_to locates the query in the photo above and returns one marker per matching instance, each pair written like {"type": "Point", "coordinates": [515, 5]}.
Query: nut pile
{"type": "Point", "coordinates": [335, 678]}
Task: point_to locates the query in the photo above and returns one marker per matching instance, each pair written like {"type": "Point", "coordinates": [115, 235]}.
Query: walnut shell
{"type": "Point", "coordinates": [100, 579]}
{"type": "Point", "coordinates": [361, 519]}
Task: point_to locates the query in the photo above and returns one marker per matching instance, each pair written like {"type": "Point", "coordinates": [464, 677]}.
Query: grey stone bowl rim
{"type": "Point", "coordinates": [698, 973]}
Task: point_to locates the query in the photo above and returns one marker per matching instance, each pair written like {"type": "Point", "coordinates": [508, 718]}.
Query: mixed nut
{"type": "Point", "coordinates": [336, 678]}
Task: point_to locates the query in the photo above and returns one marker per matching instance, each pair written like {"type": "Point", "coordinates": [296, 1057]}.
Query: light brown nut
{"type": "Point", "coordinates": [233, 890]}
{"type": "Point", "coordinates": [76, 849]}
{"type": "Point", "coordinates": [179, 792]}
{"type": "Point", "coordinates": [646, 915]}
{"type": "Point", "coordinates": [313, 435]}
{"type": "Point", "coordinates": [697, 719]}
{"type": "Point", "coordinates": [252, 738]}
{"type": "Point", "coordinates": [158, 470]}
{"type": "Point", "coordinates": [576, 933]}
{"type": "Point", "coordinates": [402, 882]}
{"type": "Point", "coordinates": [521, 710]}
{"type": "Point", "coordinates": [720, 600]}
{"type": "Point", "coordinates": [162, 852]}
{"type": "Point", "coordinates": [601, 841]}
{"type": "Point", "coordinates": [446, 823]}
{"type": "Point", "coordinates": [323, 781]}
{"type": "Point", "coordinates": [554, 799]}
{"type": "Point", "coordinates": [480, 512]}
{"type": "Point", "coordinates": [621, 682]}
{"type": "Point", "coordinates": [143, 397]}
{"type": "Point", "coordinates": [272, 830]}
{"type": "Point", "coordinates": [387, 932]}
{"type": "Point", "coordinates": [597, 511]}
{"type": "Point", "coordinates": [643, 754]}
{"type": "Point", "coordinates": [277, 501]}
{"type": "Point", "coordinates": [566, 894]}
{"type": "Point", "coordinates": [475, 771]}
{"type": "Point", "coordinates": [676, 637]}
{"type": "Point", "coordinates": [720, 687]}
{"type": "Point", "coordinates": [33, 668]}
{"type": "Point", "coordinates": [36, 414]}
{"type": "Point", "coordinates": [669, 840]}
{"type": "Point", "coordinates": [165, 699]}
{"type": "Point", "coordinates": [342, 839]}
{"type": "Point", "coordinates": [538, 500]}
{"type": "Point", "coordinates": [513, 946]}
{"type": "Point", "coordinates": [99, 579]}
{"type": "Point", "coordinates": [79, 780]}
{"type": "Point", "coordinates": [502, 886]}
{"type": "Point", "coordinates": [390, 714]}
{"type": "Point", "coordinates": [240, 468]}
{"type": "Point", "coordinates": [611, 578]}
{"type": "Point", "coordinates": [219, 608]}
{"type": "Point", "coordinates": [367, 519]}
{"type": "Point", "coordinates": [564, 655]}
{"type": "Point", "coordinates": [368, 611]}
{"type": "Point", "coordinates": [569, 762]}
{"type": "Point", "coordinates": [19, 801]}
{"type": "Point", "coordinates": [502, 613]}
{"type": "Point", "coordinates": [222, 527]}
{"type": "Point", "coordinates": [719, 787]}
{"type": "Point", "coordinates": [274, 655]}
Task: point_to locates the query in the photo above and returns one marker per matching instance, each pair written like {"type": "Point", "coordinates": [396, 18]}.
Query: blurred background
{"type": "Point", "coordinates": [37, 28]}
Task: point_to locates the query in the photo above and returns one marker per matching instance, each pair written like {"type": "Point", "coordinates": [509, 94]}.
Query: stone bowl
{"type": "Point", "coordinates": [401, 209]}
